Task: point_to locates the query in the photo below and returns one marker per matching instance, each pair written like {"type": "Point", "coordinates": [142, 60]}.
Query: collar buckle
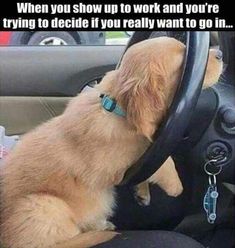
{"type": "Point", "coordinates": [110, 105]}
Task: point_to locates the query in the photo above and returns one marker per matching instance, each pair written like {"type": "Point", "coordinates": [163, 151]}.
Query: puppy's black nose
{"type": "Point", "coordinates": [219, 55]}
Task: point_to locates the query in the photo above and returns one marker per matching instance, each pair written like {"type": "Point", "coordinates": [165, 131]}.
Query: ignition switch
{"type": "Point", "coordinates": [218, 151]}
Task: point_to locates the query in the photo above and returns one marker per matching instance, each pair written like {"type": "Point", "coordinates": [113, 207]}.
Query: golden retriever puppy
{"type": "Point", "coordinates": [57, 185]}
{"type": "Point", "coordinates": [166, 177]}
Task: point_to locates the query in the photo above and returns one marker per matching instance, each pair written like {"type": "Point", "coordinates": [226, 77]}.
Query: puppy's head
{"type": "Point", "coordinates": [148, 77]}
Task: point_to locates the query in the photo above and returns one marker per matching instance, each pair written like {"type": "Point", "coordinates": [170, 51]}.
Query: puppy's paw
{"type": "Point", "coordinates": [174, 189]}
{"type": "Point", "coordinates": [142, 200]}
{"type": "Point", "coordinates": [103, 225]}
{"type": "Point", "coordinates": [142, 194]}
{"type": "Point", "coordinates": [110, 226]}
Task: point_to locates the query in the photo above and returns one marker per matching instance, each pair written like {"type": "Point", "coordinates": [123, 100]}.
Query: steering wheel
{"type": "Point", "coordinates": [198, 124]}
{"type": "Point", "coordinates": [173, 128]}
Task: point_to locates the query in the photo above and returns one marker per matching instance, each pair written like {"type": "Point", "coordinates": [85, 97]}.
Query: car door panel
{"type": "Point", "coordinates": [21, 114]}
{"type": "Point", "coordinates": [53, 71]}
{"type": "Point", "coordinates": [37, 82]}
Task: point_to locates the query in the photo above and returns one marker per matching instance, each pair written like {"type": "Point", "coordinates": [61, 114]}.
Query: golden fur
{"type": "Point", "coordinates": [58, 182]}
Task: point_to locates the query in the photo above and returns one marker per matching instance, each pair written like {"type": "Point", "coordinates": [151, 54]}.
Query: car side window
{"type": "Point", "coordinates": [63, 38]}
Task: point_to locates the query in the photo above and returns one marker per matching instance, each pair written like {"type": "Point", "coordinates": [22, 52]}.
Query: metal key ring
{"type": "Point", "coordinates": [212, 182]}
{"type": "Point", "coordinates": [211, 173]}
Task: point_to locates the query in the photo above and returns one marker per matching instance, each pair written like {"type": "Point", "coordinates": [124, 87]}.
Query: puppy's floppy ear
{"type": "Point", "coordinates": [142, 95]}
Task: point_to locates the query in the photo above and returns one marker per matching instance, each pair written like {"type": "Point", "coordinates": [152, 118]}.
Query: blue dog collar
{"type": "Point", "coordinates": [111, 105]}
